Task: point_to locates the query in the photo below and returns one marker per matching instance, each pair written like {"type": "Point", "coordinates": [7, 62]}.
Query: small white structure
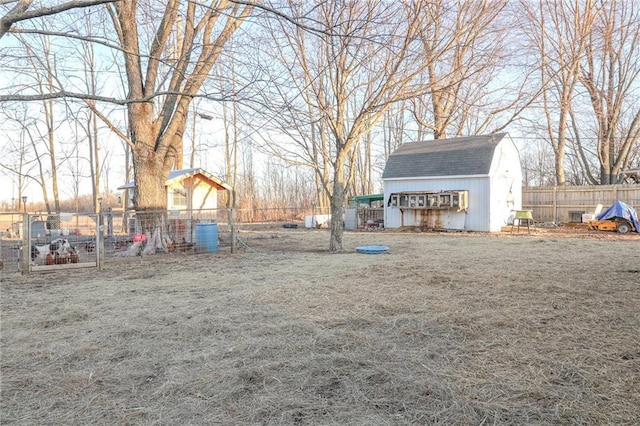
{"type": "Point", "coordinates": [192, 200]}
{"type": "Point", "coordinates": [317, 221]}
{"type": "Point", "coordinates": [187, 189]}
{"type": "Point", "coordinates": [471, 183]}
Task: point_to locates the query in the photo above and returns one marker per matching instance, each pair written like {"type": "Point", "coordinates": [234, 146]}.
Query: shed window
{"type": "Point", "coordinates": [179, 197]}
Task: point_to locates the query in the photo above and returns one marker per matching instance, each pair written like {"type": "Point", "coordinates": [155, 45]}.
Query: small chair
{"type": "Point", "coordinates": [523, 215]}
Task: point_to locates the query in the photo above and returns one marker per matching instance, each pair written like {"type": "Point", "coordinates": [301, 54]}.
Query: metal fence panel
{"type": "Point", "coordinates": [11, 241]}
{"type": "Point", "coordinates": [45, 242]}
{"type": "Point", "coordinates": [189, 231]}
{"type": "Point", "coordinates": [184, 231]}
{"type": "Point", "coordinates": [62, 241]}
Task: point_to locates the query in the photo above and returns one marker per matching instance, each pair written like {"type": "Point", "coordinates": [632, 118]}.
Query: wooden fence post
{"type": "Point", "coordinates": [555, 204]}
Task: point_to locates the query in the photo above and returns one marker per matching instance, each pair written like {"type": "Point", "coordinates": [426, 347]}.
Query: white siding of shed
{"type": "Point", "coordinates": [477, 216]}
{"type": "Point", "coordinates": [506, 184]}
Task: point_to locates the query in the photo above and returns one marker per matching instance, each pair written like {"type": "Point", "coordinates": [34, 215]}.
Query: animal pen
{"type": "Point", "coordinates": [48, 242]}
{"type": "Point", "coordinates": [69, 240]}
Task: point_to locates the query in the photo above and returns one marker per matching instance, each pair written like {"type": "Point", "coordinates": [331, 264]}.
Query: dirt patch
{"type": "Point", "coordinates": [449, 328]}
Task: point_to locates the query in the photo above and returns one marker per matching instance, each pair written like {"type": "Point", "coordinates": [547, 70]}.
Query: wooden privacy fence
{"type": "Point", "coordinates": [564, 203]}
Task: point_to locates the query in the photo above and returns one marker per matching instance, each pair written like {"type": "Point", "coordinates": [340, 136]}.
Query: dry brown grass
{"type": "Point", "coordinates": [444, 329]}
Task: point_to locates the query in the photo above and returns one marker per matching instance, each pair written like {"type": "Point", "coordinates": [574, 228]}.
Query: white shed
{"type": "Point", "coordinates": [471, 183]}
{"type": "Point", "coordinates": [187, 189]}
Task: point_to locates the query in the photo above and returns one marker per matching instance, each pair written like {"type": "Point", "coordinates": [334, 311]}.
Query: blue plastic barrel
{"type": "Point", "coordinates": [206, 237]}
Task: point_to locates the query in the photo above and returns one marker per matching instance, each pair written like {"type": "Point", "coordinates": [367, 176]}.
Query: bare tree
{"type": "Point", "coordinates": [21, 11]}
{"type": "Point", "coordinates": [163, 80]}
{"type": "Point", "coordinates": [168, 53]}
{"type": "Point", "coordinates": [557, 32]}
{"type": "Point", "coordinates": [309, 139]}
{"type": "Point", "coordinates": [18, 160]}
{"type": "Point", "coordinates": [537, 164]}
{"type": "Point", "coordinates": [90, 125]}
{"type": "Point", "coordinates": [361, 158]}
{"type": "Point", "coordinates": [366, 58]}
{"type": "Point", "coordinates": [395, 127]}
{"type": "Point", "coordinates": [32, 165]}
{"type": "Point", "coordinates": [588, 54]}
{"type": "Point", "coordinates": [43, 74]}
{"type": "Point", "coordinates": [466, 47]}
{"type": "Point", "coordinates": [610, 73]}
{"type": "Point", "coordinates": [43, 58]}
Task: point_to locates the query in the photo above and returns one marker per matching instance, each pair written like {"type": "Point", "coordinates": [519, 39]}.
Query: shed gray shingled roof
{"type": "Point", "coordinates": [443, 157]}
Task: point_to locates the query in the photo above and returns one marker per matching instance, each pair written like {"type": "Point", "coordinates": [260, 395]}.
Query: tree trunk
{"type": "Point", "coordinates": [150, 200]}
{"type": "Point", "coordinates": [605, 159]}
{"type": "Point", "coordinates": [337, 205]}
{"type": "Point", "coordinates": [559, 167]}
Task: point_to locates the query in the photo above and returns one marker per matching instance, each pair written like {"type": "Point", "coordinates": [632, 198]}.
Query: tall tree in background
{"type": "Point", "coordinates": [362, 167]}
{"type": "Point", "coordinates": [589, 56]}
{"type": "Point", "coordinates": [466, 47]}
{"type": "Point", "coordinates": [162, 80]}
{"type": "Point", "coordinates": [43, 54]}
{"type": "Point", "coordinates": [44, 74]}
{"type": "Point", "coordinates": [286, 104]}
{"type": "Point", "coordinates": [20, 160]}
{"type": "Point", "coordinates": [557, 31]}
{"type": "Point", "coordinates": [185, 39]}
{"type": "Point", "coordinates": [89, 124]}
{"type": "Point", "coordinates": [366, 58]}
{"type": "Point", "coordinates": [610, 73]}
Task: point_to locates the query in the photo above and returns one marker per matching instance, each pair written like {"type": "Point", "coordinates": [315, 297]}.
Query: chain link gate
{"type": "Point", "coordinates": [49, 242]}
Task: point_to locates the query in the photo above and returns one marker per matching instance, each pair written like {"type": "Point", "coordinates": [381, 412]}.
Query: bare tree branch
{"type": "Point", "coordinates": [20, 12]}
{"type": "Point", "coordinates": [17, 10]}
{"type": "Point", "coordinates": [98, 98]}
{"type": "Point", "coordinates": [291, 19]}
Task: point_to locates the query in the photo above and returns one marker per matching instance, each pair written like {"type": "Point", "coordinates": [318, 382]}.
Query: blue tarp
{"type": "Point", "coordinates": [620, 209]}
